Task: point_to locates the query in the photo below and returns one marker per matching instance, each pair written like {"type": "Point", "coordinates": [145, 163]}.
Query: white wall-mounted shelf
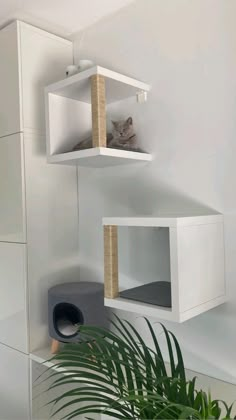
{"type": "Point", "coordinates": [100, 157]}
{"type": "Point", "coordinates": [69, 118]}
{"type": "Point", "coordinates": [196, 260]}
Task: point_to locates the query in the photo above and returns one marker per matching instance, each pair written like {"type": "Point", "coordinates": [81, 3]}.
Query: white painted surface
{"type": "Point", "coordinates": [186, 51]}
{"type": "Point", "coordinates": [12, 189]}
{"type": "Point", "coordinates": [67, 122]}
{"type": "Point", "coordinates": [137, 267]}
{"type": "Point", "coordinates": [13, 297]}
{"type": "Point", "coordinates": [52, 220]}
{"type": "Point", "coordinates": [10, 115]}
{"type": "Point", "coordinates": [14, 384]}
{"type": "Point", "coordinates": [57, 16]}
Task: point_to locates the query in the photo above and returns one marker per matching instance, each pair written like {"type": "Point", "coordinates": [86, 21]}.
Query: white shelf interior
{"type": "Point", "coordinates": [192, 260]}
{"type": "Point", "coordinates": [69, 119]}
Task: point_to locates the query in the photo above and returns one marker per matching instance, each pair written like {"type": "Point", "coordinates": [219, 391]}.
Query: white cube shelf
{"type": "Point", "coordinates": [69, 118]}
{"type": "Point", "coordinates": [196, 247]}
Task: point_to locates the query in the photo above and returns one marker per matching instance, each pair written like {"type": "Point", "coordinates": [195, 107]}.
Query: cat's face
{"type": "Point", "coordinates": [123, 130]}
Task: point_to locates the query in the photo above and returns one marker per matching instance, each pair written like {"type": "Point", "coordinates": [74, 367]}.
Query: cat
{"type": "Point", "coordinates": [121, 137]}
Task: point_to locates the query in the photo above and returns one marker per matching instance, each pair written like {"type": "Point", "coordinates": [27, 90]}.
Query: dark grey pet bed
{"type": "Point", "coordinates": [156, 293]}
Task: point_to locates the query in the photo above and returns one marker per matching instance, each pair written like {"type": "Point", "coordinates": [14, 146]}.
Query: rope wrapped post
{"type": "Point", "coordinates": [98, 101]}
{"type": "Point", "coordinates": [111, 284]}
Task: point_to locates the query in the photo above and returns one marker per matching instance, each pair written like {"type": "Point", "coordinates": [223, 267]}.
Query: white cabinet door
{"type": "Point", "coordinates": [10, 112]}
{"type": "Point", "coordinates": [12, 186]}
{"type": "Point", "coordinates": [14, 385]}
{"type": "Point", "coordinates": [13, 305]}
{"type": "Point", "coordinates": [44, 58]}
{"type": "Point", "coordinates": [30, 59]}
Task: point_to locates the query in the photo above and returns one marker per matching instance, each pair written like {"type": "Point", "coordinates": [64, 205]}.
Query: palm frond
{"type": "Point", "coordinates": [116, 373]}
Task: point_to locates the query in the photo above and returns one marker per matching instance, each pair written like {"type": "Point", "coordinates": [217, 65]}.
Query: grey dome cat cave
{"type": "Point", "coordinates": [71, 305]}
{"type": "Point", "coordinates": [77, 106]}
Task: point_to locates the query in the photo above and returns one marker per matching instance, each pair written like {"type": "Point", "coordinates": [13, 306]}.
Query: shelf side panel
{"type": "Point", "coordinates": [200, 264]}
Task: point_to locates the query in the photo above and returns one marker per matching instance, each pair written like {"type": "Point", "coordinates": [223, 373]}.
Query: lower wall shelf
{"type": "Point", "coordinates": [99, 157]}
{"type": "Point", "coordinates": [140, 308]}
{"type": "Point", "coordinates": [144, 309]}
{"type": "Point", "coordinates": [194, 266]}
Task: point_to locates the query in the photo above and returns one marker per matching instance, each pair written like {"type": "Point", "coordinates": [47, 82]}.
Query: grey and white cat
{"type": "Point", "coordinates": [121, 137]}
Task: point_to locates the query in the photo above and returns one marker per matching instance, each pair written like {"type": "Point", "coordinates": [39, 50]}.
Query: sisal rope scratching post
{"type": "Point", "coordinates": [111, 284]}
{"type": "Point", "coordinates": [98, 100]}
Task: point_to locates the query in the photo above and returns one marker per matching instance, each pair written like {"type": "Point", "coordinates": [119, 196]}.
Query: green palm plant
{"type": "Point", "coordinates": [117, 374]}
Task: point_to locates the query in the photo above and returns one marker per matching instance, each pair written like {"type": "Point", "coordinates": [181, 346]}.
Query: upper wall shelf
{"type": "Point", "coordinates": [118, 86]}
{"type": "Point", "coordinates": [76, 109]}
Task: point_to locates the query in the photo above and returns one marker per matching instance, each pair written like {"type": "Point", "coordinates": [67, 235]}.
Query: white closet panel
{"type": "Point", "coordinates": [10, 109]}
{"type": "Point", "coordinates": [52, 242]}
{"type": "Point", "coordinates": [13, 304]}
{"type": "Point", "coordinates": [14, 385]}
{"type": "Point", "coordinates": [12, 189]}
{"type": "Point", "coordinates": [38, 70]}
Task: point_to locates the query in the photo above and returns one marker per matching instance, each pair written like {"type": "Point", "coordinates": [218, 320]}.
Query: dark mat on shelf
{"type": "Point", "coordinates": [156, 293]}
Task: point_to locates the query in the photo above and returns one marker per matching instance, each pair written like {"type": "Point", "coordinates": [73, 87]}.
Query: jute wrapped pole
{"type": "Point", "coordinates": [98, 100]}
{"type": "Point", "coordinates": [111, 285]}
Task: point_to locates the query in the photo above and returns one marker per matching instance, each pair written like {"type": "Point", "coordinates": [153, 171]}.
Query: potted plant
{"type": "Point", "coordinates": [117, 374]}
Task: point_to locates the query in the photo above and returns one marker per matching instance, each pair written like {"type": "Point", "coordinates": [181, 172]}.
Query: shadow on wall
{"type": "Point", "coordinates": [147, 196]}
{"type": "Point", "coordinates": [90, 273]}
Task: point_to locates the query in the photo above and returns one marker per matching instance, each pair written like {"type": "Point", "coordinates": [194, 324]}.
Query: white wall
{"type": "Point", "coordinates": [187, 51]}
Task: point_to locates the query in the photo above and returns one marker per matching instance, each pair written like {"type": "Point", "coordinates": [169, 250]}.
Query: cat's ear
{"type": "Point", "coordinates": [114, 123]}
{"type": "Point", "coordinates": [130, 120]}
